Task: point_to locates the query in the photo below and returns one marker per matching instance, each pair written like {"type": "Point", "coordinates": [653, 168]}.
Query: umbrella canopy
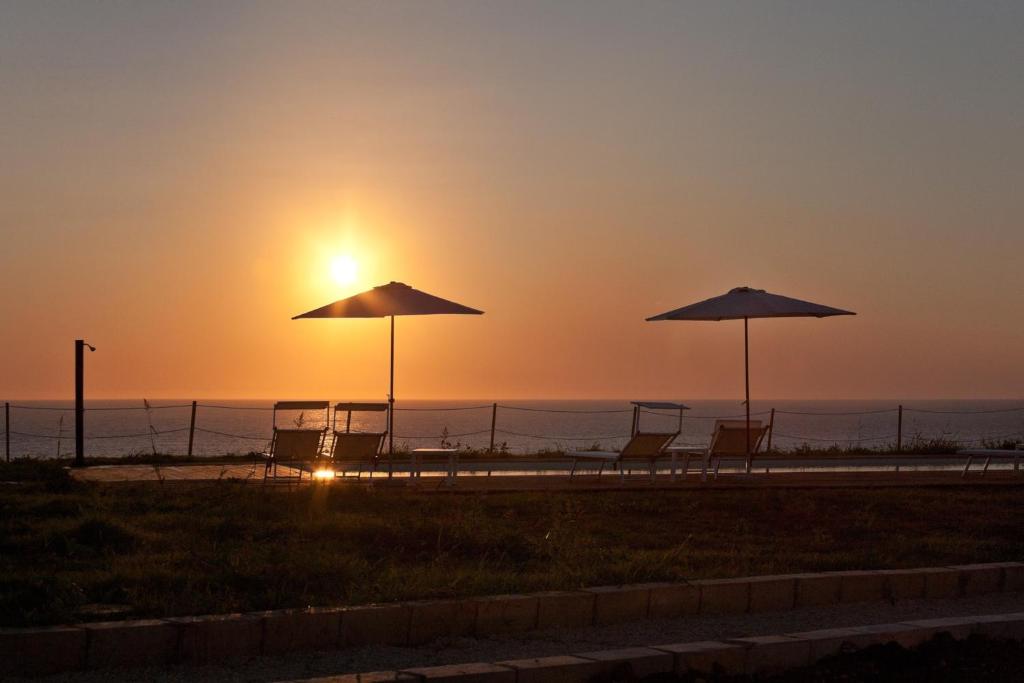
{"type": "Point", "coordinates": [387, 301]}
{"type": "Point", "coordinates": [394, 298]}
{"type": "Point", "coordinates": [743, 303]}
{"type": "Point", "coordinates": [746, 302]}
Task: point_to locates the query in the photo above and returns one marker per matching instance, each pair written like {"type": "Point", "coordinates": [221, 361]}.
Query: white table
{"type": "Point", "coordinates": [451, 454]}
{"type": "Point", "coordinates": [673, 452]}
{"type": "Point", "coordinates": [686, 452]}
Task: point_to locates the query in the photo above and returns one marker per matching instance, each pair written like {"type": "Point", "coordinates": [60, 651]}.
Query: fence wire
{"type": "Point", "coordinates": [558, 410]}
{"type": "Point", "coordinates": [443, 410]}
{"type": "Point", "coordinates": [946, 435]}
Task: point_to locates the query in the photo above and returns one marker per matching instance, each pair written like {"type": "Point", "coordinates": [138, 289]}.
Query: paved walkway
{"type": "Point", "coordinates": [432, 481]}
{"type": "Point", "coordinates": [560, 642]}
{"type": "Point", "coordinates": [116, 473]}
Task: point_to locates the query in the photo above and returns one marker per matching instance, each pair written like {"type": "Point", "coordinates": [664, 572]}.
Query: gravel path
{"type": "Point", "coordinates": [558, 642]}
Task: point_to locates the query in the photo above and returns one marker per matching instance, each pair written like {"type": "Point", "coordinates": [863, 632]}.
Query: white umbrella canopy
{"type": "Point", "coordinates": [743, 303]}
{"type": "Point", "coordinates": [387, 301]}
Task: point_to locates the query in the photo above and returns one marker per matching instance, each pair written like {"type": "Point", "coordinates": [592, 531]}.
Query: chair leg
{"type": "Point", "coordinates": [600, 469]}
{"type": "Point", "coordinates": [572, 472]}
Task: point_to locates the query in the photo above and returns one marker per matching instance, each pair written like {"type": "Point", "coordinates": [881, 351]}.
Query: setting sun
{"type": "Point", "coordinates": [344, 269]}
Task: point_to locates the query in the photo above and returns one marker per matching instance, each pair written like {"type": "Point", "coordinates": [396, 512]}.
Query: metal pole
{"type": "Point", "coordinates": [771, 428]}
{"type": "Point", "coordinates": [391, 402]}
{"type": "Point", "coordinates": [191, 429]}
{"type": "Point", "coordinates": [79, 403]}
{"type": "Point", "coordinates": [899, 430]}
{"type": "Point", "coordinates": [494, 420]}
{"type": "Point", "coordinates": [746, 381]}
{"type": "Point", "coordinates": [7, 429]}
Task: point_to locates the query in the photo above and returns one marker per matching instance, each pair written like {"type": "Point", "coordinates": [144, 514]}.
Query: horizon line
{"type": "Point", "coordinates": [520, 398]}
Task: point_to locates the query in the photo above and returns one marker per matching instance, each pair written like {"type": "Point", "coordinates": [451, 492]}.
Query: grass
{"type": "Point", "coordinates": [226, 546]}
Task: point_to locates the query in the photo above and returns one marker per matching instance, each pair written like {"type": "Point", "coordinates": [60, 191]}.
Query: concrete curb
{"type": "Point", "coordinates": [759, 655]}
{"type": "Point", "coordinates": [216, 638]}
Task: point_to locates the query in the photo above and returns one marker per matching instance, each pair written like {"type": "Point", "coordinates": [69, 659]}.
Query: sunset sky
{"type": "Point", "coordinates": [179, 179]}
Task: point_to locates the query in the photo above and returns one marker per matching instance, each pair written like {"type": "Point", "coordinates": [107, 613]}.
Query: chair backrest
{"type": "Point", "coordinates": [356, 446]}
{"type": "Point", "coordinates": [730, 437]}
{"type": "Point", "coordinates": [297, 445]}
{"type": "Point", "coordinates": [351, 407]}
{"type": "Point", "coordinates": [647, 445]}
{"type": "Point", "coordinates": [301, 406]}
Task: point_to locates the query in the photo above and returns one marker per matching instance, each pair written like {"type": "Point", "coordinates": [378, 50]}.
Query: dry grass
{"type": "Point", "coordinates": [224, 546]}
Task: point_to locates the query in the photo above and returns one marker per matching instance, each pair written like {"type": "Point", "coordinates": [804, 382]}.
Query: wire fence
{"type": "Point", "coordinates": [218, 428]}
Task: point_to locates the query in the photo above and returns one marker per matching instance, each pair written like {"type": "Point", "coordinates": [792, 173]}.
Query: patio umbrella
{"type": "Point", "coordinates": [745, 303]}
{"type": "Point", "coordinates": [387, 301]}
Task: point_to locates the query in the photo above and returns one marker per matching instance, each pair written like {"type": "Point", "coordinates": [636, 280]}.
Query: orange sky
{"type": "Point", "coordinates": [178, 180]}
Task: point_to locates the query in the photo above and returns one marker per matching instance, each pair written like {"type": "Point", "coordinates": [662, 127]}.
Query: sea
{"type": "Point", "coordinates": [119, 428]}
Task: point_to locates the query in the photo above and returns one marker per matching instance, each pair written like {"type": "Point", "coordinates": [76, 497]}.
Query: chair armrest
{"type": "Point", "coordinates": [595, 455]}
{"type": "Point", "coordinates": [991, 452]}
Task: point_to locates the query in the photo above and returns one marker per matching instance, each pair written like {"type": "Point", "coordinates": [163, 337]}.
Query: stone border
{"type": "Point", "coordinates": [217, 638]}
{"type": "Point", "coordinates": [758, 655]}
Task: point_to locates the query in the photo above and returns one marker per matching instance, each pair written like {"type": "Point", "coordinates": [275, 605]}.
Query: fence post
{"type": "Point", "coordinates": [494, 420]}
{"type": "Point", "coordinates": [79, 403]}
{"type": "Point", "coordinates": [7, 429]}
{"type": "Point", "coordinates": [899, 430]}
{"type": "Point", "coordinates": [191, 428]}
{"type": "Point", "coordinates": [771, 428]}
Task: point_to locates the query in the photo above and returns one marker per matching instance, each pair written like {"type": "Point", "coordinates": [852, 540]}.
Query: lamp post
{"type": "Point", "coordinates": [80, 401]}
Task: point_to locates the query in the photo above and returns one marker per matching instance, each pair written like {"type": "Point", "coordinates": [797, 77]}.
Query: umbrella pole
{"type": "Point", "coordinates": [746, 382]}
{"type": "Point", "coordinates": [391, 404]}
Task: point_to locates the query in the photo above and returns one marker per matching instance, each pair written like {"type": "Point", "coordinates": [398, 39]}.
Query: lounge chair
{"type": "Point", "coordinates": [299, 448]}
{"type": "Point", "coordinates": [359, 449]}
{"type": "Point", "coordinates": [646, 447]}
{"type": "Point", "coordinates": [728, 442]}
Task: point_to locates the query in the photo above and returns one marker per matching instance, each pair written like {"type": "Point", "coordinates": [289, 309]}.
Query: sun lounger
{"type": "Point", "coordinates": [356, 449]}
{"type": "Point", "coordinates": [644, 447]}
{"type": "Point", "coordinates": [728, 442]}
{"type": "Point", "coordinates": [299, 448]}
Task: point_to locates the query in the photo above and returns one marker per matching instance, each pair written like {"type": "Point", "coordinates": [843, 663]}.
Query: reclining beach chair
{"type": "Point", "coordinates": [356, 449]}
{"type": "Point", "coordinates": [299, 448]}
{"type": "Point", "coordinates": [728, 442]}
{"type": "Point", "coordinates": [643, 447]}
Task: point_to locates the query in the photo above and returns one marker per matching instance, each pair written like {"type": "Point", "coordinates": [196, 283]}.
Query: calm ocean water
{"type": "Point", "coordinates": [117, 428]}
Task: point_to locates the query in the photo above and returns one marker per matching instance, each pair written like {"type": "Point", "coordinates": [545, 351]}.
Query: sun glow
{"type": "Point", "coordinates": [344, 269]}
{"type": "Point", "coordinates": [324, 474]}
